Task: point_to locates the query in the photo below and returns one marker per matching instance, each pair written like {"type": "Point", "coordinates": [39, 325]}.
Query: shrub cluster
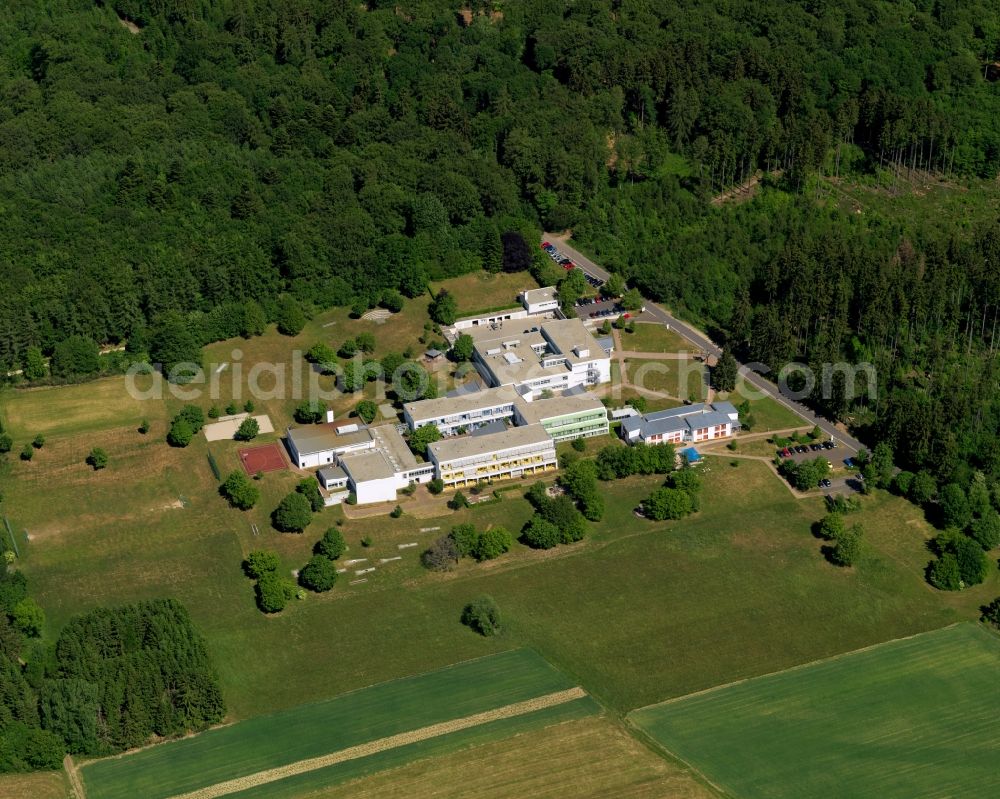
{"type": "Point", "coordinates": [615, 461]}
{"type": "Point", "coordinates": [677, 498]}
{"type": "Point", "coordinates": [465, 541]}
{"type": "Point", "coordinates": [272, 590]}
{"type": "Point", "coordinates": [555, 521]}
{"type": "Point", "coordinates": [185, 425]}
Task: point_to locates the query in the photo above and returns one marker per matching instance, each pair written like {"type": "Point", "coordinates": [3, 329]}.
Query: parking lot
{"type": "Point", "coordinates": [599, 310]}
{"type": "Point", "coordinates": [838, 481]}
{"type": "Point", "coordinates": [567, 263]}
{"type": "Point", "coordinates": [595, 308]}
{"type": "Point", "coordinates": [807, 452]}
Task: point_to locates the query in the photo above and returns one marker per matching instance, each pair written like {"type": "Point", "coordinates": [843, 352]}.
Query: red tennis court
{"type": "Point", "coordinates": [268, 458]}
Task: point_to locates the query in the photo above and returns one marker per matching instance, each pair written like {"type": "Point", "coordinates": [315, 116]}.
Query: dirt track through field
{"type": "Point", "coordinates": [382, 744]}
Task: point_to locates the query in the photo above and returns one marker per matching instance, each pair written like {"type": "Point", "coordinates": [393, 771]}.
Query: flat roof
{"type": "Point", "coordinates": [515, 352]}
{"type": "Point", "coordinates": [544, 409]}
{"type": "Point", "coordinates": [506, 331]}
{"type": "Point", "coordinates": [546, 294]}
{"type": "Point", "coordinates": [332, 473]}
{"type": "Point", "coordinates": [565, 335]}
{"type": "Point", "coordinates": [371, 464]}
{"type": "Point", "coordinates": [391, 442]}
{"type": "Point", "coordinates": [448, 449]}
{"type": "Point", "coordinates": [324, 437]}
{"type": "Point", "coordinates": [421, 410]}
{"type": "Point", "coordinates": [513, 309]}
{"type": "Point", "coordinates": [488, 429]}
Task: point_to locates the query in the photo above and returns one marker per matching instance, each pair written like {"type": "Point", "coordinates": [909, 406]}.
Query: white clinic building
{"type": "Point", "coordinates": [517, 452]}
{"type": "Point", "coordinates": [463, 412]}
{"type": "Point", "coordinates": [556, 355]}
{"type": "Point", "coordinates": [373, 462]}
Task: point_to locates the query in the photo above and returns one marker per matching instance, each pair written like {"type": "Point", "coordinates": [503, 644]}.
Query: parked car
{"type": "Point", "coordinates": [815, 447]}
{"type": "Point", "coordinates": [545, 245]}
{"type": "Point", "coordinates": [828, 445]}
{"type": "Point", "coordinates": [825, 483]}
{"type": "Point", "coordinates": [786, 453]}
{"type": "Point", "coordinates": [849, 463]}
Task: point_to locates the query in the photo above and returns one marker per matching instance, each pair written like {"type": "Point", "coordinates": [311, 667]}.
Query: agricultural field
{"type": "Point", "coordinates": [41, 785]}
{"type": "Point", "coordinates": [593, 755]}
{"type": "Point", "coordinates": [927, 705]}
{"type": "Point", "coordinates": [273, 747]}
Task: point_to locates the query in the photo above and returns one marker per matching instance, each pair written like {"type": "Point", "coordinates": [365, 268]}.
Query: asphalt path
{"type": "Point", "coordinates": [703, 342]}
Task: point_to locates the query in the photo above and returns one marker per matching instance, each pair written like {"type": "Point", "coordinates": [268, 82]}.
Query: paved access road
{"type": "Point", "coordinates": [703, 342]}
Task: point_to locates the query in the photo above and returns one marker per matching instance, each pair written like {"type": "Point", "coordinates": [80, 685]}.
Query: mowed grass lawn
{"type": "Point", "coordinates": [654, 337]}
{"type": "Point", "coordinates": [908, 718]}
{"type": "Point", "coordinates": [768, 413]}
{"type": "Point", "coordinates": [313, 730]}
{"type": "Point", "coordinates": [592, 757]}
{"type": "Point", "coordinates": [684, 380]}
{"type": "Point", "coordinates": [738, 590]}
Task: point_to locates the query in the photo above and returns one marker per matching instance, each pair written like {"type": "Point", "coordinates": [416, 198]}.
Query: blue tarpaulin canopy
{"type": "Point", "coordinates": [691, 455]}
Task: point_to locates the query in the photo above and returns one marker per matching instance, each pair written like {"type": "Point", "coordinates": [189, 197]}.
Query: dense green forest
{"type": "Point", "coordinates": [113, 680]}
{"type": "Point", "coordinates": [219, 162]}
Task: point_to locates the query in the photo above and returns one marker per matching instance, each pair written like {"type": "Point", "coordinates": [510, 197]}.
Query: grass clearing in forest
{"type": "Point", "coordinates": [480, 291]}
{"type": "Point", "coordinates": [746, 561]}
{"type": "Point", "coordinates": [913, 717]}
{"type": "Point", "coordinates": [474, 688]}
{"type": "Point", "coordinates": [152, 525]}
